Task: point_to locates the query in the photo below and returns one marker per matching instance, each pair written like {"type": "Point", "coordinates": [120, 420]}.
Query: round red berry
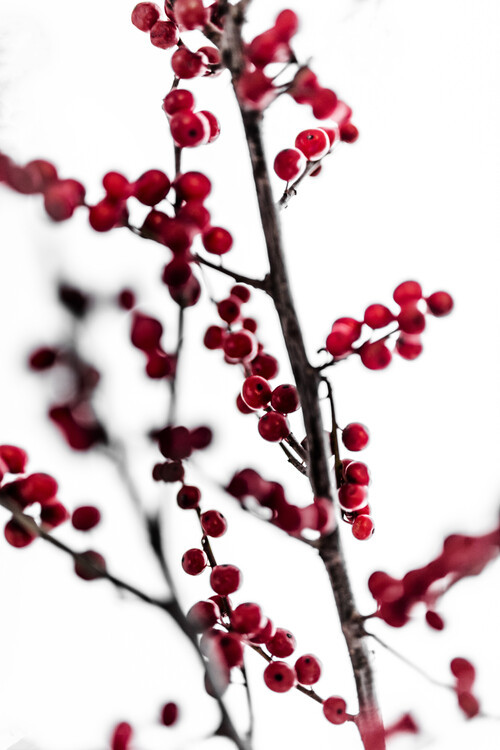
{"type": "Point", "coordinates": [265, 365]}
{"type": "Point", "coordinates": [240, 346]}
{"type": "Point", "coordinates": [164, 34]}
{"type": "Point", "coordinates": [213, 523]}
{"type": "Point", "coordinates": [229, 309]}
{"type": "Point", "coordinates": [85, 517]}
{"type": "Point", "coordinates": [17, 535]}
{"type": "Point", "coordinates": [408, 291]}
{"type": "Point", "coordinates": [355, 436]}
{"type": "Point", "coordinates": [217, 240]}
{"type": "Point", "coordinates": [90, 565]}
{"type": "Point", "coordinates": [192, 186]}
{"type": "Point", "coordinates": [314, 143]}
{"type": "Point", "coordinates": [375, 355]}
{"type": "Point", "coordinates": [188, 497]}
{"type": "Point", "coordinates": [273, 427]}
{"type": "Point", "coordinates": [151, 187]}
{"type": "Point", "coordinates": [363, 527]}
{"type": "Point", "coordinates": [225, 579]}
{"type": "Point", "coordinates": [378, 316]}
{"type": "Point", "coordinates": [177, 100]}
{"type": "Point", "coordinates": [169, 714]}
{"type": "Point", "coordinates": [334, 709]}
{"type": "Point", "coordinates": [410, 319]}
{"type": "Point", "coordinates": [282, 644]}
{"type": "Point", "coordinates": [187, 64]}
{"type": "Point", "coordinates": [203, 615]}
{"type": "Point", "coordinates": [247, 618]}
{"type": "Point", "coordinates": [285, 399]}
{"type": "Point", "coordinates": [409, 346]}
{"type": "Point", "coordinates": [308, 669]}
{"type": "Point", "coordinates": [194, 561]}
{"type": "Point", "coordinates": [256, 392]}
{"type": "Point", "coordinates": [145, 15]}
{"type": "Point", "coordinates": [289, 164]}
{"type": "Point", "coordinates": [439, 303]}
{"type": "Point", "coordinates": [279, 677]}
{"type": "Point", "coordinates": [189, 129]}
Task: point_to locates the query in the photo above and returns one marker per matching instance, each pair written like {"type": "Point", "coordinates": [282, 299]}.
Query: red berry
{"type": "Point", "coordinates": [189, 129]}
{"type": "Point", "coordinates": [273, 427]}
{"type": "Point", "coordinates": [126, 299]}
{"type": "Point", "coordinates": [357, 472]}
{"type": "Point", "coordinates": [249, 324]}
{"type": "Point", "coordinates": [286, 25]}
{"type": "Point", "coordinates": [265, 365]}
{"type": "Point", "coordinates": [195, 214]}
{"type": "Point", "coordinates": [289, 164]}
{"type": "Point", "coordinates": [348, 132]}
{"type": "Point", "coordinates": [469, 704]}
{"type": "Point", "coordinates": [409, 346]}
{"type": "Point", "coordinates": [355, 327]}
{"type": "Point", "coordinates": [188, 294]}
{"type": "Point", "coordinates": [375, 355]}
{"type": "Point", "coordinates": [62, 197]}
{"type": "Point", "coordinates": [352, 496]}
{"type": "Point", "coordinates": [279, 677]}
{"type": "Point", "coordinates": [146, 332]}
{"type": "Point", "coordinates": [188, 497]}
{"type": "Point", "coordinates": [203, 615]}
{"type": "Point", "coordinates": [285, 399]}
{"type": "Point", "coordinates": [324, 102]}
{"type": "Point", "coordinates": [225, 579]}
{"type": "Point", "coordinates": [240, 346]}
{"type": "Point", "coordinates": [105, 215]}
{"type": "Point", "coordinates": [282, 644]}
{"type": "Point", "coordinates": [247, 618]}
{"type": "Point", "coordinates": [152, 187]}
{"type": "Point", "coordinates": [169, 714]}
{"type": "Point", "coordinates": [264, 633]}
{"type": "Point", "coordinates": [85, 517]}
{"type": "Point", "coordinates": [42, 358]}
{"type": "Point", "coordinates": [175, 442]}
{"type": "Point", "coordinates": [121, 737]}
{"type": "Point", "coordinates": [36, 488]}
{"type": "Point", "coordinates": [439, 303]}
{"type": "Point", "coordinates": [313, 143]}
{"type": "Point", "coordinates": [177, 100]}
{"type": "Point", "coordinates": [213, 122]}
{"type": "Point", "coordinates": [363, 527]}
{"type": "Point", "coordinates": [164, 34]}
{"type": "Point", "coordinates": [187, 64]}
{"type": "Point", "coordinates": [334, 709]}
{"type": "Point", "coordinates": [42, 173]}
{"type": "Point", "coordinates": [464, 671]}
{"type": "Point", "coordinates": [213, 523]}
{"type": "Point", "coordinates": [355, 436]}
{"type": "Point", "coordinates": [408, 291]}
{"type": "Point", "coordinates": [15, 458]}
{"type": "Point", "coordinates": [214, 336]}
{"type": "Point", "coordinates": [242, 406]}
{"type": "Point", "coordinates": [410, 319]}
{"type": "Point", "coordinates": [378, 316]}
{"type": "Point", "coordinates": [177, 272]}
{"type": "Point", "coordinates": [434, 620]}
{"type": "Point", "coordinates": [17, 535]}
{"type": "Point", "coordinates": [212, 53]}
{"type": "Point", "coordinates": [90, 565]}
{"type": "Point", "coordinates": [194, 561]}
{"type": "Point", "coordinates": [339, 341]}
{"type": "Point", "coordinates": [308, 669]}
{"type": "Point", "coordinates": [191, 14]}
{"type": "Point", "coordinates": [229, 309]}
{"type": "Point", "coordinates": [192, 186]}
{"type": "Point", "coordinates": [217, 240]}
{"type": "Point", "coordinates": [201, 437]}
{"type": "Point", "coordinates": [243, 292]}
{"type": "Point", "coordinates": [145, 15]}
{"type": "Point", "coordinates": [117, 186]}
{"type": "Point", "coordinates": [256, 392]}
{"type": "Point", "coordinates": [232, 649]}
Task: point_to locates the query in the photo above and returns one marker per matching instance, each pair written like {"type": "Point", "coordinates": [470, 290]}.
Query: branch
{"type": "Point", "coordinates": [239, 277]}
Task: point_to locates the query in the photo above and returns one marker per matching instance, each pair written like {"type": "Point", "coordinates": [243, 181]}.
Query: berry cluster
{"type": "Point", "coordinates": [145, 335]}
{"type": "Point", "coordinates": [25, 491]}
{"type": "Point", "coordinates": [461, 556]}
{"type": "Point", "coordinates": [319, 516]}
{"type": "Point", "coordinates": [189, 128]}
{"type": "Point", "coordinates": [177, 444]}
{"type": "Point", "coordinates": [410, 321]}
{"type": "Point", "coordinates": [465, 674]}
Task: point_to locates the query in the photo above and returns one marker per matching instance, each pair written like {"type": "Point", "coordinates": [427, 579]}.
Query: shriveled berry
{"type": "Point", "coordinates": [308, 669]}
{"type": "Point", "coordinates": [314, 143]}
{"type": "Point", "coordinates": [289, 164]}
{"type": "Point", "coordinates": [169, 714]}
{"type": "Point", "coordinates": [85, 517]}
{"type": "Point", "coordinates": [285, 399]}
{"type": "Point", "coordinates": [273, 427]}
{"type": "Point", "coordinates": [279, 677]}
{"type": "Point", "coordinates": [355, 436]}
{"type": "Point", "coordinates": [334, 709]}
{"type": "Point", "coordinates": [439, 304]}
{"type": "Point", "coordinates": [256, 392]}
{"type": "Point", "coordinates": [225, 579]}
{"type": "Point", "coordinates": [213, 523]}
{"type": "Point", "coordinates": [282, 644]}
{"type": "Point", "coordinates": [194, 561]}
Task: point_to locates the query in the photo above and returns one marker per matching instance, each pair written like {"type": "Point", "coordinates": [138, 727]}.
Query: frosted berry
{"type": "Point", "coordinates": [285, 399]}
{"type": "Point", "coordinates": [213, 523]}
{"type": "Point", "coordinates": [408, 291]}
{"type": "Point", "coordinates": [194, 561]}
{"type": "Point", "coordinates": [225, 579]}
{"type": "Point", "coordinates": [169, 714]}
{"type": "Point", "coordinates": [334, 709]}
{"type": "Point", "coordinates": [282, 644]}
{"type": "Point", "coordinates": [217, 240]}
{"type": "Point", "coordinates": [279, 677]}
{"type": "Point", "coordinates": [363, 527]}
{"type": "Point", "coordinates": [256, 392]}
{"type": "Point", "coordinates": [355, 436]}
{"type": "Point", "coordinates": [164, 34]}
{"type": "Point", "coordinates": [439, 304]}
{"type": "Point", "coordinates": [314, 143]}
{"type": "Point", "coordinates": [308, 669]}
{"type": "Point", "coordinates": [151, 187]}
{"type": "Point", "coordinates": [145, 15]}
{"type": "Point", "coordinates": [85, 517]}
{"type": "Point", "coordinates": [289, 164]}
{"type": "Point", "coordinates": [273, 427]}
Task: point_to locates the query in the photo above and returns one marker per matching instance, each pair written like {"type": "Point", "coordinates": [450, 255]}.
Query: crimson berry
{"type": "Point", "coordinates": [52, 514]}
{"type": "Point", "coordinates": [282, 644]}
{"type": "Point", "coordinates": [164, 34]}
{"type": "Point", "coordinates": [42, 173]}
{"type": "Point", "coordinates": [232, 649]}
{"type": "Point", "coordinates": [194, 561]}
{"type": "Point", "coordinates": [339, 341]}
{"type": "Point", "coordinates": [355, 436]}
{"type": "Point", "coordinates": [177, 100]}
{"type": "Point", "coordinates": [469, 704]}
{"type": "Point", "coordinates": [188, 294]}
{"type": "Point", "coordinates": [334, 709]}
{"type": "Point", "coordinates": [313, 143]}
{"type": "Point", "coordinates": [378, 316]}
{"type": "Point", "coordinates": [189, 129]}
{"type": "Point", "coordinates": [36, 488]}
{"type": "Point", "coordinates": [192, 186]}
{"type": "Point", "coordinates": [177, 272]}
{"type": "Point", "coordinates": [145, 15]}
{"type": "Point", "coordinates": [213, 523]}
{"type": "Point", "coordinates": [146, 332]}
{"type": "Point", "coordinates": [357, 472]}
{"type": "Point", "coordinates": [256, 392]}
{"type": "Point", "coordinates": [175, 442]}
{"type": "Point", "coordinates": [265, 633]}
{"type": "Point", "coordinates": [267, 48]}
{"type": "Point", "coordinates": [15, 458]}
{"type": "Point", "coordinates": [308, 669]}
{"type": "Point", "coordinates": [203, 615]}
{"type": "Point", "coordinates": [213, 122]}
{"type": "Point", "coordinates": [17, 535]}
{"type": "Point", "coordinates": [279, 677]}
{"type": "Point", "coordinates": [42, 358]}
{"type": "Point", "coordinates": [255, 90]}
{"type": "Point", "coordinates": [242, 406]}
{"type": "Point", "coordinates": [464, 671]}
{"type": "Point", "coordinates": [265, 365]}
{"type": "Point", "coordinates": [159, 365]}
{"type": "Point", "coordinates": [217, 240]}
{"type": "Point", "coordinates": [201, 437]}
{"type": "Point", "coordinates": [105, 215]}
{"type": "Point", "coordinates": [116, 185]}
{"type": "Point", "coordinates": [243, 292]}
{"type": "Point", "coordinates": [90, 565]}
{"type": "Point", "coordinates": [348, 132]}
{"type": "Point", "coordinates": [85, 517]}
{"type": "Point", "coordinates": [188, 497]}
{"type": "Point", "coordinates": [410, 319]}
{"type": "Point", "coordinates": [240, 346]}
{"type": "Point", "coordinates": [126, 299]}
{"type": "Point", "coordinates": [434, 620]}
{"type": "Point", "coordinates": [409, 346]}
{"type": "Point", "coordinates": [225, 579]}
{"type": "Point", "coordinates": [121, 737]}
{"type": "Point", "coordinates": [363, 527]}
{"type": "Point", "coordinates": [324, 103]}
{"type": "Point", "coordinates": [191, 14]}
{"type": "Point", "coordinates": [289, 164]}
{"type": "Point", "coordinates": [169, 714]}
{"type": "Point", "coordinates": [195, 214]}
{"type": "Point", "coordinates": [375, 355]}
{"type": "Point", "coordinates": [305, 84]}
{"type": "Point", "coordinates": [229, 309]}
{"type": "Point", "coordinates": [170, 471]}
{"type": "Point", "coordinates": [273, 427]}
{"type": "Point", "coordinates": [249, 324]}
{"type": "Point", "coordinates": [212, 53]}
{"type": "Point", "coordinates": [286, 25]}
{"type": "Point", "coordinates": [187, 64]}
{"type": "Point", "coordinates": [285, 398]}
{"type": "Point", "coordinates": [213, 338]}
{"type": "Point", "coordinates": [439, 303]}
{"type": "Point", "coordinates": [384, 587]}
{"type": "Point", "coordinates": [152, 187]}
{"type": "Point", "coordinates": [247, 618]}
{"type": "Point", "coordinates": [408, 291]}
{"type": "Point", "coordinates": [355, 327]}
{"type": "Point", "coordinates": [62, 197]}
{"type": "Point", "coordinates": [352, 496]}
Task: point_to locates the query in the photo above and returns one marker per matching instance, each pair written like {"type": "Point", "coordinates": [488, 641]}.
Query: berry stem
{"type": "Point", "coordinates": [172, 408]}
{"type": "Point", "coordinates": [334, 432]}
{"type": "Point", "coordinates": [240, 278]}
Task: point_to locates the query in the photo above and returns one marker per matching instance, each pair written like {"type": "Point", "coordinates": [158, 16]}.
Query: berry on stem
{"type": "Point", "coordinates": [225, 579]}
{"type": "Point", "coordinates": [308, 669]}
{"type": "Point", "coordinates": [279, 677]}
{"type": "Point", "coordinates": [273, 427]}
{"type": "Point", "coordinates": [314, 143]}
{"type": "Point", "coordinates": [194, 561]}
{"type": "Point", "coordinates": [355, 436]}
{"type": "Point", "coordinates": [334, 709]}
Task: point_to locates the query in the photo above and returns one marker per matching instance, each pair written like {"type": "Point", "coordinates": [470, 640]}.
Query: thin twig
{"type": "Point", "coordinates": [239, 277]}
{"type": "Point", "coordinates": [173, 381]}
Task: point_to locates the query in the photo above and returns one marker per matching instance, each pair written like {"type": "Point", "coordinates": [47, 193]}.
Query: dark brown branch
{"type": "Point", "coordinates": [239, 277]}
{"type": "Point", "coordinates": [307, 380]}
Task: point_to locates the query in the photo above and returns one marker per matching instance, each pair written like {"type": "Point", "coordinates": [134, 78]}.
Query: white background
{"type": "Point", "coordinates": [416, 197]}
